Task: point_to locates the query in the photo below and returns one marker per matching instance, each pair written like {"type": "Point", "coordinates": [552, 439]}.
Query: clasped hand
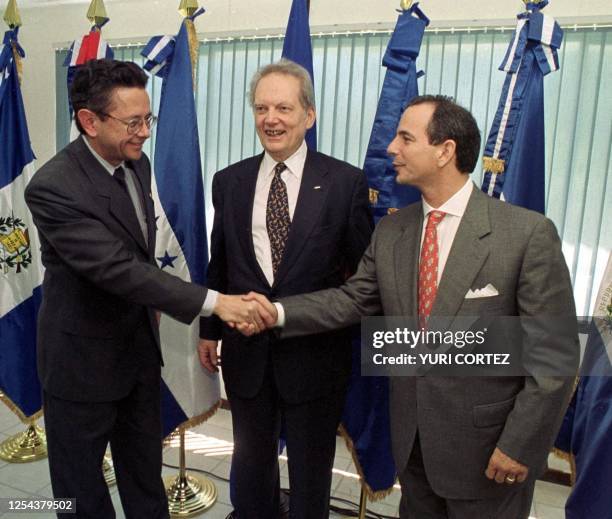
{"type": "Point", "coordinates": [251, 313]}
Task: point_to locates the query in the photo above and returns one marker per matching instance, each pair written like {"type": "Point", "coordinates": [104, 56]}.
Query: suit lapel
{"type": "Point", "coordinates": [243, 199]}
{"type": "Point", "coordinates": [120, 205]}
{"type": "Point", "coordinates": [311, 199]}
{"type": "Point", "coordinates": [467, 256]}
{"type": "Point", "coordinates": [144, 181]}
{"type": "Point", "coordinates": [406, 257]}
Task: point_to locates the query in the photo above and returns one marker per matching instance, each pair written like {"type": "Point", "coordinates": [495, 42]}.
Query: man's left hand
{"type": "Point", "coordinates": [503, 469]}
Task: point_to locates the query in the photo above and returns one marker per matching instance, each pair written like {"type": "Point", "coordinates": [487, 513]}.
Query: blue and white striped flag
{"type": "Point", "coordinates": [190, 393]}
{"type": "Point", "coordinates": [21, 270]}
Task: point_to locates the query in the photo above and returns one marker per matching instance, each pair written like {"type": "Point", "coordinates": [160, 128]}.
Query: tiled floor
{"type": "Point", "coordinates": [209, 448]}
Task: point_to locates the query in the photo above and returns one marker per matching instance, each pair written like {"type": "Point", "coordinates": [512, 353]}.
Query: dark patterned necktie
{"type": "Point", "coordinates": [278, 219]}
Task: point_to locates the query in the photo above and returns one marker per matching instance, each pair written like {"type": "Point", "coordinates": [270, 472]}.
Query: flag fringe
{"type": "Point", "coordinates": [193, 422]}
{"type": "Point", "coordinates": [373, 495]}
{"type": "Point", "coordinates": [15, 408]}
{"type": "Point", "coordinates": [493, 165]}
{"type": "Point", "coordinates": [570, 458]}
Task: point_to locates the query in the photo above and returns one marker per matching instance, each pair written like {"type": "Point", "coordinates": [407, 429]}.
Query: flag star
{"type": "Point", "coordinates": [166, 260]}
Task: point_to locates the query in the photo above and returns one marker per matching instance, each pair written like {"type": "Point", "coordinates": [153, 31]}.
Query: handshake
{"type": "Point", "coordinates": [250, 314]}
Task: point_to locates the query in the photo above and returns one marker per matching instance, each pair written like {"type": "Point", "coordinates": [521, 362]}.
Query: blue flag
{"type": "Point", "coordinates": [298, 47]}
{"type": "Point", "coordinates": [189, 393]}
{"type": "Point", "coordinates": [399, 87]}
{"type": "Point", "coordinates": [366, 413]}
{"type": "Point", "coordinates": [20, 266]}
{"type": "Point", "coordinates": [514, 154]}
{"type": "Point", "coordinates": [586, 431]}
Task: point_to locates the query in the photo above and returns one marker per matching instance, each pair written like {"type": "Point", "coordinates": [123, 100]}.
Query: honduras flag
{"type": "Point", "coordinates": [20, 266]}
{"type": "Point", "coordinates": [298, 48]}
{"type": "Point", "coordinates": [189, 393]}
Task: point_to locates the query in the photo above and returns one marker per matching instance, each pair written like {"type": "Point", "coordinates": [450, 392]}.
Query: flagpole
{"type": "Point", "coordinates": [96, 14]}
{"type": "Point", "coordinates": [26, 446]}
{"type": "Point", "coordinates": [188, 494]}
{"type": "Point", "coordinates": [31, 444]}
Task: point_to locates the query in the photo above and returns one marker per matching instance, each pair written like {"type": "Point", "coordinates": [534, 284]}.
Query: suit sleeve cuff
{"type": "Point", "coordinates": [280, 320]}
{"type": "Point", "coordinates": [209, 303]}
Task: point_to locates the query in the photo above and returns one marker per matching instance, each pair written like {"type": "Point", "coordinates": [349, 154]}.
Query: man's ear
{"type": "Point", "coordinates": [311, 117]}
{"type": "Point", "coordinates": [446, 152]}
{"type": "Point", "coordinates": [88, 120]}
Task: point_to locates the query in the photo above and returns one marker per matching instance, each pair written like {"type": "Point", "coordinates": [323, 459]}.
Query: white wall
{"type": "Point", "coordinates": [55, 24]}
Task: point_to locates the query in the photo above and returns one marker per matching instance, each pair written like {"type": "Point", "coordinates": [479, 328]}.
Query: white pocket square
{"type": "Point", "coordinates": [487, 291]}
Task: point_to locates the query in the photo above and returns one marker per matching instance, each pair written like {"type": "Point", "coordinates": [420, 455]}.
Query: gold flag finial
{"type": "Point", "coordinates": [96, 13]}
{"type": "Point", "coordinates": [405, 4]}
{"type": "Point", "coordinates": [188, 7]}
{"type": "Point", "coordinates": [11, 15]}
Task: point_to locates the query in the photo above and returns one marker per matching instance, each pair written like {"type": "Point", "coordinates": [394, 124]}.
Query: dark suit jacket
{"type": "Point", "coordinates": [96, 326]}
{"type": "Point", "coordinates": [462, 419]}
{"type": "Point", "coordinates": [330, 230]}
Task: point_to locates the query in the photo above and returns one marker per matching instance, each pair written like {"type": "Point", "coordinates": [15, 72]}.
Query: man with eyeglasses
{"type": "Point", "coordinates": [98, 341]}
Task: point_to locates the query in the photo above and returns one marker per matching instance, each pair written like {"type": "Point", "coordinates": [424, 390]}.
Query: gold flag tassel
{"type": "Point", "coordinates": [13, 20]}
{"type": "Point", "coordinates": [188, 8]}
{"type": "Point", "coordinates": [493, 165]}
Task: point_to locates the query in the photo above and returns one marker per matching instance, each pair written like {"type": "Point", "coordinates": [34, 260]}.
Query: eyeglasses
{"type": "Point", "coordinates": [133, 126]}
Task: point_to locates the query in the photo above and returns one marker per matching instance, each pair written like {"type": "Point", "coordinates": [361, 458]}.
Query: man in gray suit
{"type": "Point", "coordinates": [464, 447]}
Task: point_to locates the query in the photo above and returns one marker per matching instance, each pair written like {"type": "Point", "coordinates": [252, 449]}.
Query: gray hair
{"type": "Point", "coordinates": [289, 68]}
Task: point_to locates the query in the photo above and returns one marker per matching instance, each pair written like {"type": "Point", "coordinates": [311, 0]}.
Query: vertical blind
{"type": "Point", "coordinates": [348, 79]}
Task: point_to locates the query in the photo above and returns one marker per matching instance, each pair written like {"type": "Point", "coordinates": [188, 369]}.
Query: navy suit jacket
{"type": "Point", "coordinates": [330, 229]}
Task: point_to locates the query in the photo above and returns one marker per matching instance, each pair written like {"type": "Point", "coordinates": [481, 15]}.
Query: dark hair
{"type": "Point", "coordinates": [452, 121]}
{"type": "Point", "coordinates": [94, 82]}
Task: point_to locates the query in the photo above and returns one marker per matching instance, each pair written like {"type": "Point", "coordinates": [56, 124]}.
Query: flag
{"type": "Point", "coordinates": [586, 432]}
{"type": "Point", "coordinates": [21, 270]}
{"type": "Point", "coordinates": [366, 414]}
{"type": "Point", "coordinates": [83, 49]}
{"type": "Point", "coordinates": [297, 47]}
{"type": "Point", "coordinates": [514, 154]}
{"type": "Point", "coordinates": [189, 393]}
{"type": "Point", "coordinates": [399, 87]}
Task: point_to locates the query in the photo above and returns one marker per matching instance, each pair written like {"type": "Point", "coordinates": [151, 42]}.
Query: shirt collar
{"type": "Point", "coordinates": [105, 164]}
{"type": "Point", "coordinates": [456, 204]}
{"type": "Point", "coordinates": [295, 163]}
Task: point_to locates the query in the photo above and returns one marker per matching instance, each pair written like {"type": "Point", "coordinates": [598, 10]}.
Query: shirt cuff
{"type": "Point", "coordinates": [280, 320]}
{"type": "Point", "coordinates": [209, 303]}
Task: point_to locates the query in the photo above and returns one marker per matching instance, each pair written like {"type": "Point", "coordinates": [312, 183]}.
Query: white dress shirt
{"type": "Point", "coordinates": [454, 208]}
{"type": "Point", "coordinates": [292, 176]}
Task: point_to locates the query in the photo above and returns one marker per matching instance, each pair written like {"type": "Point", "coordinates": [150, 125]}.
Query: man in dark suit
{"type": "Point", "coordinates": [464, 446]}
{"type": "Point", "coordinates": [288, 221]}
{"type": "Point", "coordinates": [98, 343]}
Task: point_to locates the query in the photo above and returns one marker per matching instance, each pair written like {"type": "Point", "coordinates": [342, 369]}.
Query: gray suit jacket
{"type": "Point", "coordinates": [461, 420]}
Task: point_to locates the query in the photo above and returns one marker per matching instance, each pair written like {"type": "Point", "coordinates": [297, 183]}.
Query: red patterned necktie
{"type": "Point", "coordinates": [428, 267]}
{"type": "Point", "coordinates": [278, 219]}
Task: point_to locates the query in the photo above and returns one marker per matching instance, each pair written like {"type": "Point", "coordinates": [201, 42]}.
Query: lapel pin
{"type": "Point", "coordinates": [317, 187]}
